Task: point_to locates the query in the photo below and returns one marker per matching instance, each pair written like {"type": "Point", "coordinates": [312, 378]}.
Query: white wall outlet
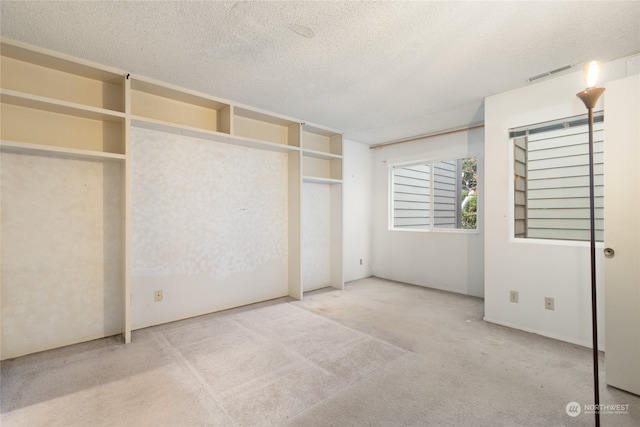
{"type": "Point", "coordinates": [513, 296]}
{"type": "Point", "coordinates": [549, 303]}
{"type": "Point", "coordinates": [157, 295]}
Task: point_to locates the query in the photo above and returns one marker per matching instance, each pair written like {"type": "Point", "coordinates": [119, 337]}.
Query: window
{"type": "Point", "coordinates": [551, 179]}
{"type": "Point", "coordinates": [441, 194]}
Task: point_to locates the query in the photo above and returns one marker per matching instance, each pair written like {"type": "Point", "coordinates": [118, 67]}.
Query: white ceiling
{"type": "Point", "coordinates": [378, 71]}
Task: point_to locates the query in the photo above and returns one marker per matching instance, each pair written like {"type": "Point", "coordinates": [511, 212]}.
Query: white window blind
{"type": "Point", "coordinates": [551, 165]}
{"type": "Point", "coordinates": [446, 192]}
{"type": "Point", "coordinates": [412, 196]}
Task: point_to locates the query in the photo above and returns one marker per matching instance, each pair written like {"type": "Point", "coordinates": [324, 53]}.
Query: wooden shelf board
{"type": "Point", "coordinates": [320, 180]}
{"type": "Point", "coordinates": [23, 147]}
{"type": "Point", "coordinates": [262, 145]}
{"type": "Point", "coordinates": [57, 106]}
{"type": "Point", "coordinates": [320, 154]}
{"type": "Point", "coordinates": [211, 135]}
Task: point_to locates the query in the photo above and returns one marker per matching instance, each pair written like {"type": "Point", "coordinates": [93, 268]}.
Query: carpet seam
{"type": "Point", "coordinates": [162, 339]}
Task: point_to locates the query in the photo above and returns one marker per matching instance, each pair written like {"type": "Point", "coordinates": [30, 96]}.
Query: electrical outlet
{"type": "Point", "coordinates": [513, 296]}
{"type": "Point", "coordinates": [360, 261]}
{"type": "Point", "coordinates": [157, 295]}
{"type": "Point", "coordinates": [549, 303]}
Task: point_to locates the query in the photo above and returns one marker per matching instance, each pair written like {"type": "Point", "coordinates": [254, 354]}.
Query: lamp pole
{"type": "Point", "coordinates": [590, 97]}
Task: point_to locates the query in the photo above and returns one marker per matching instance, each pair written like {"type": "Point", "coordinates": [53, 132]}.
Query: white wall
{"type": "Point", "coordinates": [208, 226]}
{"type": "Point", "coordinates": [535, 268]}
{"type": "Point", "coordinates": [61, 251]}
{"type": "Point", "coordinates": [449, 260]}
{"type": "Point", "coordinates": [357, 224]}
{"type": "Point", "coordinates": [316, 235]}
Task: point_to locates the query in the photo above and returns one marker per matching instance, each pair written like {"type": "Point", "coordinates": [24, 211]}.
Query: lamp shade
{"type": "Point", "coordinates": [592, 73]}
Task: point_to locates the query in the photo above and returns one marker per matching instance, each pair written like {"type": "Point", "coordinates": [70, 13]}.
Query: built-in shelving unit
{"type": "Point", "coordinates": [60, 112]}
{"type": "Point", "coordinates": [58, 106]}
{"type": "Point", "coordinates": [52, 100]}
{"type": "Point", "coordinates": [322, 164]}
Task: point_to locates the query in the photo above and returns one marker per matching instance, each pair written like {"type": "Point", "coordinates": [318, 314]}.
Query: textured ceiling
{"type": "Point", "coordinates": [378, 71]}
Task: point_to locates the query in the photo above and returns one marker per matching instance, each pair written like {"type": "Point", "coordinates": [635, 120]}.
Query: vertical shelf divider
{"type": "Point", "coordinates": [294, 212]}
{"type": "Point", "coordinates": [226, 119]}
{"type": "Point", "coordinates": [337, 236]}
{"type": "Point", "coordinates": [336, 145]}
{"type": "Point", "coordinates": [126, 287]}
{"type": "Point", "coordinates": [337, 215]}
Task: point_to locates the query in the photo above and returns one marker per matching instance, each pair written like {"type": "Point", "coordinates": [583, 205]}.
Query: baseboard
{"type": "Point", "coordinates": [558, 337]}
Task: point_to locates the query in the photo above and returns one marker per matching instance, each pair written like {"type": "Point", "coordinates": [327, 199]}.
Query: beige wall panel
{"type": "Point", "coordinates": [314, 141]}
{"type": "Point", "coordinates": [260, 130]}
{"type": "Point", "coordinates": [320, 168]}
{"type": "Point", "coordinates": [170, 110]}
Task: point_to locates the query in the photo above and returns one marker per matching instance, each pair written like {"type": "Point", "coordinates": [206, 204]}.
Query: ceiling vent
{"type": "Point", "coordinates": [549, 73]}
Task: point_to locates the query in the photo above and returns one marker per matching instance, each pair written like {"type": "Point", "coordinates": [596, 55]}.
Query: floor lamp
{"type": "Point", "coordinates": [590, 97]}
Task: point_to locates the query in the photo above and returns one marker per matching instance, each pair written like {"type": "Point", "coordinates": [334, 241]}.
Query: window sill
{"type": "Point", "coordinates": [436, 230]}
{"type": "Point", "coordinates": [552, 242]}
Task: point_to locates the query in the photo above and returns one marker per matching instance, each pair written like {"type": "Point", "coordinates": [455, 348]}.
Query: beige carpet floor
{"type": "Point", "coordinates": [379, 353]}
